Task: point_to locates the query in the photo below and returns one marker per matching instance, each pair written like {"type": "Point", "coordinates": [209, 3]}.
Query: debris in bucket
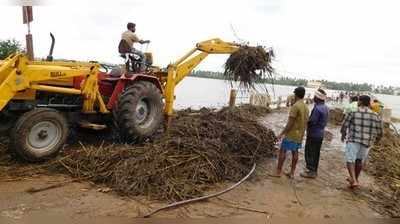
{"type": "Point", "coordinates": [249, 65]}
{"type": "Point", "coordinates": [200, 149]}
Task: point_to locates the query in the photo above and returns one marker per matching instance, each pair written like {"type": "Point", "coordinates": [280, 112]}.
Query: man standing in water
{"type": "Point", "coordinates": [315, 134]}
{"type": "Point", "coordinates": [292, 135]}
{"type": "Point", "coordinates": [361, 129]}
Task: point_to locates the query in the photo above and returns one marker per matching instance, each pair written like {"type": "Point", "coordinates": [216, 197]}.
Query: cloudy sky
{"type": "Point", "coordinates": [339, 40]}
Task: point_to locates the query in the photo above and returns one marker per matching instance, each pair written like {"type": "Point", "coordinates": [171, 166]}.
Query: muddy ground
{"type": "Point", "coordinates": [262, 197]}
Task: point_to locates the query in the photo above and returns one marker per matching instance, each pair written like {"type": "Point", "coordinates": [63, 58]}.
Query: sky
{"type": "Point", "coordinates": [340, 40]}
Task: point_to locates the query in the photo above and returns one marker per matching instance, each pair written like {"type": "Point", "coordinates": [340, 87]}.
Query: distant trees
{"type": "Point", "coordinates": [348, 86]}
{"type": "Point", "coordinates": [389, 90]}
{"type": "Point", "coordinates": [208, 74]}
{"type": "Point", "coordinates": [278, 81]}
{"type": "Point", "coordinates": [287, 81]}
{"type": "Point", "coordinates": [8, 47]}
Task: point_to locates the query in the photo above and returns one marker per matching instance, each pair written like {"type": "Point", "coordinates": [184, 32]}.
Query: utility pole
{"type": "Point", "coordinates": [27, 19]}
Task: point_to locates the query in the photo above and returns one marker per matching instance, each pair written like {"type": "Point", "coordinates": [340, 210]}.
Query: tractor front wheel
{"type": "Point", "coordinates": [39, 134]}
{"type": "Point", "coordinates": [138, 112]}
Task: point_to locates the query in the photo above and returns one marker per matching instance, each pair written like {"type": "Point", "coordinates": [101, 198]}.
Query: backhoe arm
{"type": "Point", "coordinates": [182, 67]}
{"type": "Point", "coordinates": [214, 46]}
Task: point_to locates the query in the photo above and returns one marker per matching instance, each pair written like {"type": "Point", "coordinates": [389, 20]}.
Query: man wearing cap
{"type": "Point", "coordinates": [292, 135]}
{"type": "Point", "coordinates": [315, 134]}
{"type": "Point", "coordinates": [361, 129]}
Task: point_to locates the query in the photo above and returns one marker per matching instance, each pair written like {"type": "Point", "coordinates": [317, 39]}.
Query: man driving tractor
{"type": "Point", "coordinates": [128, 38]}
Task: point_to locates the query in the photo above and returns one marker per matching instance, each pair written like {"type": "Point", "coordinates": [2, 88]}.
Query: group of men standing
{"type": "Point", "coordinates": [292, 135]}
{"type": "Point", "coordinates": [360, 130]}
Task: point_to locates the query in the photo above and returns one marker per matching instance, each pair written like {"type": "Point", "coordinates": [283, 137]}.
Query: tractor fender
{"type": "Point", "coordinates": [128, 80]}
{"type": "Point", "coordinates": [147, 78]}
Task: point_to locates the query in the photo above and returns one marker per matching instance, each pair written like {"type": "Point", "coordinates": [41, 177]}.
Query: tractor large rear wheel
{"type": "Point", "coordinates": [39, 134]}
{"type": "Point", "coordinates": [139, 111]}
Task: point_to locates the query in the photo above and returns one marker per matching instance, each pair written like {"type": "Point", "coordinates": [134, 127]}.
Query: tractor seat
{"type": "Point", "coordinates": [115, 72]}
{"type": "Point", "coordinates": [112, 79]}
{"type": "Point", "coordinates": [130, 55]}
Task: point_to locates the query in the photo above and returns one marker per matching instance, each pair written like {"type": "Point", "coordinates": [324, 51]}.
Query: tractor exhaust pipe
{"type": "Point", "coordinates": [50, 56]}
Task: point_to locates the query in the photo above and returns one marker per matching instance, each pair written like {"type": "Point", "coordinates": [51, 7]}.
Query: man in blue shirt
{"type": "Point", "coordinates": [315, 134]}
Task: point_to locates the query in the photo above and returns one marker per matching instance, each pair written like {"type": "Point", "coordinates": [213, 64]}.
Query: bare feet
{"type": "Point", "coordinates": [308, 174]}
{"type": "Point", "coordinates": [276, 174]}
{"type": "Point", "coordinates": [352, 183]}
{"type": "Point", "coordinates": [289, 175]}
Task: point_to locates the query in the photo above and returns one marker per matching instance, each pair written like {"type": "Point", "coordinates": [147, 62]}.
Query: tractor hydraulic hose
{"type": "Point", "coordinates": [179, 203]}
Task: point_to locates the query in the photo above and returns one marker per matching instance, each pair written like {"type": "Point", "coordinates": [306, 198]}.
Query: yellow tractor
{"type": "Point", "coordinates": [40, 100]}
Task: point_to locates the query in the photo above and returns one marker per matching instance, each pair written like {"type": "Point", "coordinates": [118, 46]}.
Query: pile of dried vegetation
{"type": "Point", "coordinates": [249, 65]}
{"type": "Point", "coordinates": [395, 119]}
{"type": "Point", "coordinates": [385, 166]}
{"type": "Point", "coordinates": [336, 116]}
{"type": "Point", "coordinates": [201, 148]}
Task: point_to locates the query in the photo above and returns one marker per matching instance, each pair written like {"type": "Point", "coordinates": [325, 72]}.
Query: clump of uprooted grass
{"type": "Point", "coordinates": [249, 65]}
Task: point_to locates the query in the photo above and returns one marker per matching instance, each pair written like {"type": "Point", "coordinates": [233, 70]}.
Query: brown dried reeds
{"type": "Point", "coordinates": [385, 166]}
{"type": "Point", "coordinates": [201, 148]}
{"type": "Point", "coordinates": [336, 116]}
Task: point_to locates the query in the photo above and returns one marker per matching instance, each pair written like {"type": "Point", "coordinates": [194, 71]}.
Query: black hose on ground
{"type": "Point", "coordinates": [179, 203]}
{"type": "Point", "coordinates": [394, 128]}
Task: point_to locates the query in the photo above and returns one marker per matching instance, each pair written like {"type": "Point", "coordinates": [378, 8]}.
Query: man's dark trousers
{"type": "Point", "coordinates": [312, 152]}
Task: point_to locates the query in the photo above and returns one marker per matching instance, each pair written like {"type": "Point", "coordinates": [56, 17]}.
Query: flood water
{"type": "Point", "coordinates": [200, 92]}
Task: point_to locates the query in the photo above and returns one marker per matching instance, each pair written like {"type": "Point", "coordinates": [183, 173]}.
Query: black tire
{"type": "Point", "coordinates": [39, 135]}
{"type": "Point", "coordinates": [138, 113]}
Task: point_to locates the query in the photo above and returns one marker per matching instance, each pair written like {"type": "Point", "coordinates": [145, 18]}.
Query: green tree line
{"type": "Point", "coordinates": [347, 86]}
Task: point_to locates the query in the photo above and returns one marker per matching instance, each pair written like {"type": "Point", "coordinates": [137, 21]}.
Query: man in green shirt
{"type": "Point", "coordinates": [292, 135]}
{"type": "Point", "coordinates": [352, 106]}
